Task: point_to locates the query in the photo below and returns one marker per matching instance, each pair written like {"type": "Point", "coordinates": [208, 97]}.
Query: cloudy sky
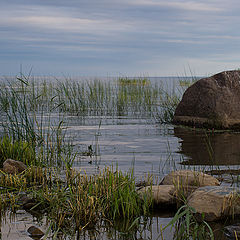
{"type": "Point", "coordinates": [119, 37]}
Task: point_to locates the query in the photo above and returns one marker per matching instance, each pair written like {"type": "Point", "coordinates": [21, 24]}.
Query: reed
{"type": "Point", "coordinates": [18, 150]}
{"type": "Point", "coordinates": [81, 201]}
{"type": "Point", "coordinates": [27, 117]}
{"type": "Point", "coordinates": [136, 97]}
{"type": "Point", "coordinates": [187, 227]}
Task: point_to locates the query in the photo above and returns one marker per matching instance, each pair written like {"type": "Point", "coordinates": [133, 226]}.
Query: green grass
{"type": "Point", "coordinates": [187, 227]}
{"type": "Point", "coordinates": [27, 116]}
{"type": "Point", "coordinates": [33, 112]}
{"type": "Point", "coordinates": [136, 97]}
{"type": "Point", "coordinates": [81, 201]}
{"type": "Point", "coordinates": [18, 150]}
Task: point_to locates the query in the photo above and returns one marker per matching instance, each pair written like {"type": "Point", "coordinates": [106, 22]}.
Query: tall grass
{"type": "Point", "coordinates": [18, 150]}
{"type": "Point", "coordinates": [27, 115]}
{"type": "Point", "coordinates": [34, 111]}
{"type": "Point", "coordinates": [125, 97]}
{"type": "Point", "coordinates": [137, 97]}
{"type": "Point", "coordinates": [81, 201]}
{"type": "Point", "coordinates": [187, 227]}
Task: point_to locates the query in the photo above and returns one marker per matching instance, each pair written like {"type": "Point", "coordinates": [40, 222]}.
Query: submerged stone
{"type": "Point", "coordinates": [232, 232]}
{"type": "Point", "coordinates": [35, 232]}
{"type": "Point", "coordinates": [212, 102]}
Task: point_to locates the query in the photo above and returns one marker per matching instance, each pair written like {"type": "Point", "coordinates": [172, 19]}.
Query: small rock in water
{"type": "Point", "coordinates": [13, 167]}
{"type": "Point", "coordinates": [160, 194]}
{"type": "Point", "coordinates": [233, 231]}
{"type": "Point", "coordinates": [27, 202]}
{"type": "Point", "coordinates": [35, 232]}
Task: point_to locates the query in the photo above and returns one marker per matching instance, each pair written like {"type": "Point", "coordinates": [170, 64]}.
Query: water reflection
{"type": "Point", "coordinates": [202, 148]}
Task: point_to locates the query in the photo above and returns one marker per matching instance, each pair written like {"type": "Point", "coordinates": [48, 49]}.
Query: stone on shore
{"type": "Point", "coordinates": [213, 203]}
{"type": "Point", "coordinates": [186, 178]}
{"type": "Point", "coordinates": [159, 194]}
{"type": "Point", "coordinates": [13, 167]}
{"type": "Point", "coordinates": [212, 102]}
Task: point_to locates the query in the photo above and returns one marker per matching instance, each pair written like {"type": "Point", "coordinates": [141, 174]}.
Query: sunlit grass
{"type": "Point", "coordinates": [80, 201]}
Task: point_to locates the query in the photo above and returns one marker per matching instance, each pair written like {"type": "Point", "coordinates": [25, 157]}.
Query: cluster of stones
{"type": "Point", "coordinates": [11, 166]}
{"type": "Point", "coordinates": [202, 191]}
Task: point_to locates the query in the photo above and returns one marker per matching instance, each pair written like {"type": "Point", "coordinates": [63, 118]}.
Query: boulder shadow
{"type": "Point", "coordinates": [208, 148]}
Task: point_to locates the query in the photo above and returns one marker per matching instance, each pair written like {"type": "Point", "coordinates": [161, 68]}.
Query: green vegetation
{"type": "Point", "coordinates": [80, 201]}
{"type": "Point", "coordinates": [24, 99]}
{"type": "Point", "coordinates": [33, 112]}
{"type": "Point", "coordinates": [187, 227]}
{"type": "Point", "coordinates": [28, 118]}
{"type": "Point", "coordinates": [18, 150]}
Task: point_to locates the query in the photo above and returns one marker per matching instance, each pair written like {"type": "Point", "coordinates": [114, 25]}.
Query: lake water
{"type": "Point", "coordinates": [149, 147]}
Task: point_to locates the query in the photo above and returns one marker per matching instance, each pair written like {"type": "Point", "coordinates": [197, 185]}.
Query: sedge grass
{"type": "Point", "coordinates": [34, 112]}
{"type": "Point", "coordinates": [84, 202]}
{"type": "Point", "coordinates": [18, 150]}
{"type": "Point", "coordinates": [27, 118]}
{"type": "Point", "coordinates": [187, 227]}
{"type": "Point", "coordinates": [137, 97]}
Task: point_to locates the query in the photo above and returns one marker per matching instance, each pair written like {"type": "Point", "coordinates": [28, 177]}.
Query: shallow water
{"type": "Point", "coordinates": [148, 147]}
{"type": "Point", "coordinates": [129, 143]}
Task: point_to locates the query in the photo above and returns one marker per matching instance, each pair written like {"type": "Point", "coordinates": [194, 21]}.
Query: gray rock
{"type": "Point", "coordinates": [212, 102]}
{"type": "Point", "coordinates": [189, 178]}
{"type": "Point", "coordinates": [215, 202]}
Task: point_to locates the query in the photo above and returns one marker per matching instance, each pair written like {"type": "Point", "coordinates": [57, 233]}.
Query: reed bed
{"type": "Point", "coordinates": [124, 97]}
{"type": "Point", "coordinates": [28, 118]}
{"type": "Point", "coordinates": [79, 201]}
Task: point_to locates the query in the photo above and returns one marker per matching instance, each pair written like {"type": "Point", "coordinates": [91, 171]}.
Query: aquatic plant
{"type": "Point", "coordinates": [187, 227]}
{"type": "Point", "coordinates": [137, 97]}
{"type": "Point", "coordinates": [27, 117]}
{"type": "Point", "coordinates": [82, 201]}
{"type": "Point", "coordinates": [18, 150]}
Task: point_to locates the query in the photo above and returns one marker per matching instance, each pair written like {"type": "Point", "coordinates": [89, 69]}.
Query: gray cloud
{"type": "Point", "coordinates": [129, 36]}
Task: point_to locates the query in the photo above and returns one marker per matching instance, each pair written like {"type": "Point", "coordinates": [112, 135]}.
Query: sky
{"type": "Point", "coordinates": [119, 37]}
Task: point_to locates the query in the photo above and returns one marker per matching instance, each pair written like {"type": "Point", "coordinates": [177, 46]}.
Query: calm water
{"type": "Point", "coordinates": [148, 147]}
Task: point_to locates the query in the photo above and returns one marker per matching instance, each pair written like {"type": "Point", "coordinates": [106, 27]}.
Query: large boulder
{"type": "Point", "coordinates": [13, 167]}
{"type": "Point", "coordinates": [189, 178]}
{"type": "Point", "coordinates": [213, 203]}
{"type": "Point", "coordinates": [212, 102]}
